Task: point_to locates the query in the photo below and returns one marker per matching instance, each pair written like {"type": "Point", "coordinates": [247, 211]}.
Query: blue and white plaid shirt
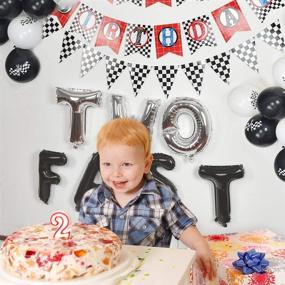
{"type": "Point", "coordinates": [150, 219]}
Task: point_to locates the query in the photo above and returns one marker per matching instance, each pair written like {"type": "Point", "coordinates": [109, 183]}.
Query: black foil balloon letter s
{"type": "Point", "coordinates": [22, 65]}
{"type": "Point", "coordinates": [165, 161]}
{"type": "Point", "coordinates": [221, 176]}
{"type": "Point", "coordinates": [260, 131]}
{"type": "Point", "coordinates": [48, 158]}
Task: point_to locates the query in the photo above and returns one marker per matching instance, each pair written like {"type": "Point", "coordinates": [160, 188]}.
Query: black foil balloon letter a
{"type": "Point", "coordinates": [48, 158]}
{"type": "Point", "coordinates": [221, 176]}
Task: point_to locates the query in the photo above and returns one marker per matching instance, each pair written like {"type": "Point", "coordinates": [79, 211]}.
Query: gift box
{"type": "Point", "coordinates": [225, 247]}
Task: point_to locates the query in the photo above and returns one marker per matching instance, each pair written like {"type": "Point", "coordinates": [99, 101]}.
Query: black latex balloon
{"type": "Point", "coordinates": [260, 131]}
{"type": "Point", "coordinates": [87, 181]}
{"type": "Point", "coordinates": [221, 177]}
{"type": "Point", "coordinates": [165, 161]}
{"type": "Point", "coordinates": [39, 8]}
{"type": "Point", "coordinates": [10, 8]}
{"type": "Point", "coordinates": [279, 165]}
{"type": "Point", "coordinates": [271, 103]}
{"type": "Point", "coordinates": [22, 65]}
{"type": "Point", "coordinates": [48, 158]}
{"type": "Point", "coordinates": [4, 23]}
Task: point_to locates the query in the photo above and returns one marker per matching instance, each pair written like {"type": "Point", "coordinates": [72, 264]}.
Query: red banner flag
{"type": "Point", "coordinates": [230, 20]}
{"type": "Point", "coordinates": [168, 39]}
{"type": "Point", "coordinates": [111, 33]}
{"type": "Point", "coordinates": [151, 2]}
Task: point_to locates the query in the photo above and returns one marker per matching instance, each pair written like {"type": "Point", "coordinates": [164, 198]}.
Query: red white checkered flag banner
{"type": "Point", "coordinates": [151, 2]}
{"type": "Point", "coordinates": [230, 19]}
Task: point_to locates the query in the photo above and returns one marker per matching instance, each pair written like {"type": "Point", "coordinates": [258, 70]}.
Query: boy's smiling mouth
{"type": "Point", "coordinates": [119, 184]}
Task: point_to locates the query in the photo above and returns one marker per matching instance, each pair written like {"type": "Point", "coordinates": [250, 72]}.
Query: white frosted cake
{"type": "Point", "coordinates": [33, 253]}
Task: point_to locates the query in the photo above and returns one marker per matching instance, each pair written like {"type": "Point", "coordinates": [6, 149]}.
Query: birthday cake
{"type": "Point", "coordinates": [32, 252]}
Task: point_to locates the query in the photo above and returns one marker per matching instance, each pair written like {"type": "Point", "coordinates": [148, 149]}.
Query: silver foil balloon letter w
{"type": "Point", "coordinates": [78, 101]}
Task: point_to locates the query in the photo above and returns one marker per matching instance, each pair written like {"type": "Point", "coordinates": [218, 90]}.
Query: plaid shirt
{"type": "Point", "coordinates": [150, 219]}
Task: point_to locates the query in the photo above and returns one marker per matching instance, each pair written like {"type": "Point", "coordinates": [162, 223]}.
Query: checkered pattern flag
{"type": "Point", "coordinates": [262, 9]}
{"type": "Point", "coordinates": [138, 42]}
{"type": "Point", "coordinates": [273, 36]}
{"type": "Point", "coordinates": [114, 68]}
{"type": "Point", "coordinates": [200, 28]}
{"type": "Point", "coordinates": [179, 2]}
{"type": "Point", "coordinates": [51, 25]}
{"type": "Point", "coordinates": [69, 46]}
{"type": "Point", "coordinates": [136, 2]}
{"type": "Point", "coordinates": [195, 73]}
{"type": "Point", "coordinates": [246, 52]}
{"type": "Point", "coordinates": [166, 76]}
{"type": "Point", "coordinates": [86, 22]}
{"type": "Point", "coordinates": [221, 65]}
{"type": "Point", "coordinates": [89, 59]}
{"type": "Point", "coordinates": [138, 74]}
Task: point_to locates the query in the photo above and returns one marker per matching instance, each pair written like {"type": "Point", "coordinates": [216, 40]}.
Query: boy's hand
{"type": "Point", "coordinates": [205, 263]}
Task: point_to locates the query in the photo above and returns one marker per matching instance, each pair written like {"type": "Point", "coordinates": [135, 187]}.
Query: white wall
{"type": "Point", "coordinates": [31, 121]}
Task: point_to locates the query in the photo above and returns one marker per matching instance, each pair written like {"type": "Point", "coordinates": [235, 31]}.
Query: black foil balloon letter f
{"type": "Point", "coordinates": [222, 176]}
{"type": "Point", "coordinates": [46, 176]}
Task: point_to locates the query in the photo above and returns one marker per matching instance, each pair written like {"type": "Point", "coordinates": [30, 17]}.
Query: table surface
{"type": "Point", "coordinates": [153, 265]}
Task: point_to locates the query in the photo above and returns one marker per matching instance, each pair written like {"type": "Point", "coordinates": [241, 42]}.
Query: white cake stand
{"type": "Point", "coordinates": [127, 263]}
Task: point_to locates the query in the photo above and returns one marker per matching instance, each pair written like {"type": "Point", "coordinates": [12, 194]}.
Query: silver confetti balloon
{"type": "Point", "coordinates": [193, 144]}
{"type": "Point", "coordinates": [78, 101]}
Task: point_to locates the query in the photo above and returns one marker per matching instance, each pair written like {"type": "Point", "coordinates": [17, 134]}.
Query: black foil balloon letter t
{"type": "Point", "coordinates": [222, 176]}
{"type": "Point", "coordinates": [48, 158]}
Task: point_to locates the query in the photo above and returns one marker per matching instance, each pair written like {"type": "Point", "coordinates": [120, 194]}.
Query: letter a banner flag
{"type": "Point", "coordinates": [230, 20]}
{"type": "Point", "coordinates": [111, 33]}
{"type": "Point", "coordinates": [168, 39]}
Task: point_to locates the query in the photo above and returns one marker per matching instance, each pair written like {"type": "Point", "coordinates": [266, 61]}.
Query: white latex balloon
{"type": "Point", "coordinates": [25, 32]}
{"type": "Point", "coordinates": [280, 131]}
{"type": "Point", "coordinates": [278, 71]}
{"type": "Point", "coordinates": [242, 100]}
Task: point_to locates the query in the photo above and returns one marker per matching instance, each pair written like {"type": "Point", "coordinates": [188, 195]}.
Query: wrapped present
{"type": "Point", "coordinates": [225, 249]}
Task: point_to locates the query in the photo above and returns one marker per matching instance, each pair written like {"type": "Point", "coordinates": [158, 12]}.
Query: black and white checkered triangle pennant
{"type": "Point", "coordinates": [221, 65]}
{"type": "Point", "coordinates": [166, 76]}
{"type": "Point", "coordinates": [179, 2]}
{"type": "Point", "coordinates": [51, 25]}
{"type": "Point", "coordinates": [195, 73]}
{"type": "Point", "coordinates": [246, 52]}
{"type": "Point", "coordinates": [136, 2]}
{"type": "Point", "coordinates": [199, 32]}
{"type": "Point", "coordinates": [114, 68]}
{"type": "Point", "coordinates": [86, 22]}
{"type": "Point", "coordinates": [90, 58]}
{"type": "Point", "coordinates": [262, 8]}
{"type": "Point", "coordinates": [138, 74]}
{"type": "Point", "coordinates": [273, 36]}
{"type": "Point", "coordinates": [69, 45]}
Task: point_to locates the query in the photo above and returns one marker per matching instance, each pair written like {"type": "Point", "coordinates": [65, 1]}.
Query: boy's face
{"type": "Point", "coordinates": [122, 167]}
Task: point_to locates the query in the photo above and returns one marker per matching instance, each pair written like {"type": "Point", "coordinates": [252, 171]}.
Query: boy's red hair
{"type": "Point", "coordinates": [126, 131]}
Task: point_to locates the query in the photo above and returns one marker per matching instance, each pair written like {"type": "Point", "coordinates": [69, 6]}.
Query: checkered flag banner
{"type": "Point", "coordinates": [114, 68]}
{"type": "Point", "coordinates": [69, 45]}
{"type": "Point", "coordinates": [199, 32]}
{"type": "Point", "coordinates": [51, 25]}
{"type": "Point", "coordinates": [89, 59]}
{"type": "Point", "coordinates": [221, 65]}
{"type": "Point", "coordinates": [136, 2]}
{"type": "Point", "coordinates": [138, 40]}
{"type": "Point", "coordinates": [138, 74]}
{"type": "Point", "coordinates": [166, 76]}
{"type": "Point", "coordinates": [86, 22]}
{"type": "Point", "coordinates": [273, 36]}
{"type": "Point", "coordinates": [195, 73]}
{"type": "Point", "coordinates": [262, 8]}
{"type": "Point", "coordinates": [246, 52]}
{"type": "Point", "coordinates": [179, 2]}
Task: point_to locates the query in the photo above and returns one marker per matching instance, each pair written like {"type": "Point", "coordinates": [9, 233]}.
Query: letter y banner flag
{"type": "Point", "coordinates": [111, 33]}
{"type": "Point", "coordinates": [230, 20]}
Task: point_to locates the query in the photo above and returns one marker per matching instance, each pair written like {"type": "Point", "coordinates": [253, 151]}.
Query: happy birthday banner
{"type": "Point", "coordinates": [194, 71]}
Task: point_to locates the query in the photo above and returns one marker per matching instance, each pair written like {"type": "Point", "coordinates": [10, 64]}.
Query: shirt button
{"type": "Point", "coordinates": [144, 227]}
{"type": "Point", "coordinates": [122, 217]}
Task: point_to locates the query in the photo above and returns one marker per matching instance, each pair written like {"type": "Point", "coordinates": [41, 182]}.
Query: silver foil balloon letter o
{"type": "Point", "coordinates": [188, 146]}
{"type": "Point", "coordinates": [78, 101]}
